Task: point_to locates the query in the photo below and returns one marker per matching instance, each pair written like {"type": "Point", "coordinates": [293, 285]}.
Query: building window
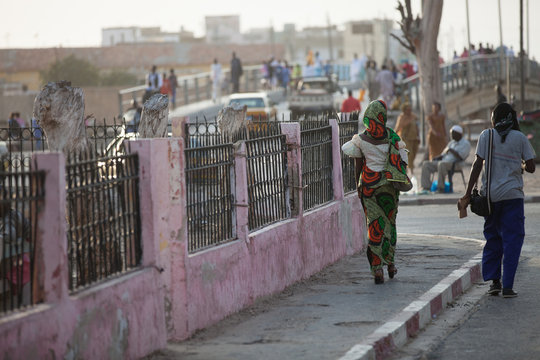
{"type": "Point", "coordinates": [359, 28]}
{"type": "Point", "coordinates": [122, 38]}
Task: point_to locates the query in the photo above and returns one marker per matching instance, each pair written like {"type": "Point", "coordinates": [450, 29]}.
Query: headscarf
{"type": "Point", "coordinates": [375, 122]}
{"type": "Point", "coordinates": [504, 119]}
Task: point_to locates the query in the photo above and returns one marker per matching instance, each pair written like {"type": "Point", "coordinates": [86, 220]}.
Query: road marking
{"type": "Point", "coordinates": [444, 237]}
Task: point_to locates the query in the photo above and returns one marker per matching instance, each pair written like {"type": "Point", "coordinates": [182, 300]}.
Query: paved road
{"type": "Point", "coordinates": [491, 327]}
{"type": "Point", "coordinates": [324, 316]}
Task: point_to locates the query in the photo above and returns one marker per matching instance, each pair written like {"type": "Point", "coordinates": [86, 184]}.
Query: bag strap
{"type": "Point", "coordinates": [488, 167]}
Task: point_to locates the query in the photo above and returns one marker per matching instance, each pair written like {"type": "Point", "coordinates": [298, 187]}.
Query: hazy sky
{"type": "Point", "coordinates": [49, 23]}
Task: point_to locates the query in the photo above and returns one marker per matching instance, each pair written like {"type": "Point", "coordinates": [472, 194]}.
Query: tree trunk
{"type": "Point", "coordinates": [428, 56]}
{"type": "Point", "coordinates": [59, 110]}
{"type": "Point", "coordinates": [232, 121]}
{"type": "Point", "coordinates": [155, 117]}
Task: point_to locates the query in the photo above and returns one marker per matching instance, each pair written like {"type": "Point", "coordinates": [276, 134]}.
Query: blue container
{"type": "Point", "coordinates": [447, 188]}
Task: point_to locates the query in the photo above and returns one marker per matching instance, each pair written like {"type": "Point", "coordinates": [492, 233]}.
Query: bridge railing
{"type": "Point", "coordinates": [483, 69]}
{"type": "Point", "coordinates": [197, 87]}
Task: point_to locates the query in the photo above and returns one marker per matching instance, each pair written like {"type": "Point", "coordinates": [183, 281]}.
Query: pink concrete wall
{"type": "Point", "coordinates": [223, 280]}
{"type": "Point", "coordinates": [174, 293]}
{"type": "Point", "coordinates": [110, 320]}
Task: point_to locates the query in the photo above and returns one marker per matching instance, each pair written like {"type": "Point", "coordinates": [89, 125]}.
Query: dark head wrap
{"type": "Point", "coordinates": [504, 119]}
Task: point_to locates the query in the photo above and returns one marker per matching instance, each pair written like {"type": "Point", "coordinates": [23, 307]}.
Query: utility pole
{"type": "Point", "coordinates": [501, 48]}
{"type": "Point", "coordinates": [521, 55]}
{"type": "Point", "coordinates": [272, 40]}
{"type": "Point", "coordinates": [329, 27]}
{"type": "Point", "coordinates": [469, 61]}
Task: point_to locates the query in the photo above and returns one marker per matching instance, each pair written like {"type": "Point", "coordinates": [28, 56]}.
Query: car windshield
{"type": "Point", "coordinates": [250, 102]}
{"type": "Point", "coordinates": [315, 85]}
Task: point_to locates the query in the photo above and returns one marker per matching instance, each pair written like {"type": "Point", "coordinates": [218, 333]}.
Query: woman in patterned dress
{"type": "Point", "coordinates": [380, 159]}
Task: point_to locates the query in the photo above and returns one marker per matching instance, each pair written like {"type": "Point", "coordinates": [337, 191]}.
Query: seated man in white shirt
{"type": "Point", "coordinates": [452, 158]}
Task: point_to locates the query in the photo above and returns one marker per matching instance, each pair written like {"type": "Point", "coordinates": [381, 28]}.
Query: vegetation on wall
{"type": "Point", "coordinates": [83, 73]}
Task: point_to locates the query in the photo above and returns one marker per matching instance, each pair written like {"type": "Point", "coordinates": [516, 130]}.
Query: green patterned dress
{"type": "Point", "coordinates": [378, 196]}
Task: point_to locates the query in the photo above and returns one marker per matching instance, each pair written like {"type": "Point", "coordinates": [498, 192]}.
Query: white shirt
{"type": "Point", "coordinates": [375, 155]}
{"type": "Point", "coordinates": [215, 72]}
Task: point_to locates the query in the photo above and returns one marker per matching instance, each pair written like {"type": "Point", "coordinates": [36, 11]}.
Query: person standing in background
{"type": "Point", "coordinates": [165, 88]}
{"type": "Point", "coordinates": [385, 78]}
{"type": "Point", "coordinates": [236, 72]}
{"type": "Point", "coordinates": [407, 130]}
{"type": "Point", "coordinates": [154, 80]}
{"type": "Point", "coordinates": [436, 137]}
{"type": "Point", "coordinates": [173, 84]}
{"type": "Point", "coordinates": [355, 69]}
{"type": "Point", "coordinates": [215, 75]}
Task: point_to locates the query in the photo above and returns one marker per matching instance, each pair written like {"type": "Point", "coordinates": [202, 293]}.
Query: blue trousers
{"type": "Point", "coordinates": [504, 231]}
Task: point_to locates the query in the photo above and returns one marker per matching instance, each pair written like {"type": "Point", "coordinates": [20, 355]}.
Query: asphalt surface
{"type": "Point", "coordinates": [491, 327]}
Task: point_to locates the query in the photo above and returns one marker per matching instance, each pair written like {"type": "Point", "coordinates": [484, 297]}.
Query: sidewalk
{"type": "Point", "coordinates": [340, 313]}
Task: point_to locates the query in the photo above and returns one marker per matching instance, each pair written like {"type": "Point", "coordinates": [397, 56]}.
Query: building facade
{"type": "Point", "coordinates": [223, 29]}
{"type": "Point", "coordinates": [368, 37]}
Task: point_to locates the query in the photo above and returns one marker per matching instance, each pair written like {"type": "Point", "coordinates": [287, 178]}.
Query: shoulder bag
{"type": "Point", "coordinates": [481, 204]}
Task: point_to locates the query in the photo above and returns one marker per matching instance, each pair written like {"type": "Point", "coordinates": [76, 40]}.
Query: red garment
{"type": "Point", "coordinates": [350, 105]}
{"type": "Point", "coordinates": [166, 87]}
{"type": "Point", "coordinates": [409, 69]}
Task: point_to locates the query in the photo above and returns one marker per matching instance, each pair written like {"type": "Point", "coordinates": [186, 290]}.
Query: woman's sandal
{"type": "Point", "coordinates": [379, 276]}
{"type": "Point", "coordinates": [392, 271]}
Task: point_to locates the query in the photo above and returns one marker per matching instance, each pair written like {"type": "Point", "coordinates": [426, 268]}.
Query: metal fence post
{"type": "Point", "coordinates": [120, 105]}
{"type": "Point", "coordinates": [186, 93]}
{"type": "Point", "coordinates": [197, 97]}
{"type": "Point", "coordinates": [255, 80]}
{"type": "Point", "coordinates": [208, 87]}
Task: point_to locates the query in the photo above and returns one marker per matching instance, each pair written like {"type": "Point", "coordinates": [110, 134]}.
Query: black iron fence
{"type": "Point", "coordinates": [316, 148]}
{"type": "Point", "coordinates": [268, 191]}
{"type": "Point", "coordinates": [18, 144]}
{"type": "Point", "coordinates": [210, 182]}
{"type": "Point", "coordinates": [347, 129]}
{"type": "Point", "coordinates": [20, 195]}
{"type": "Point", "coordinates": [103, 217]}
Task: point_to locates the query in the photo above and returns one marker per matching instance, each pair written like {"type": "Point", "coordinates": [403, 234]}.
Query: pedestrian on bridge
{"type": "Point", "coordinates": [380, 156]}
{"type": "Point", "coordinates": [504, 227]}
{"type": "Point", "coordinates": [236, 72]}
{"type": "Point", "coordinates": [215, 74]}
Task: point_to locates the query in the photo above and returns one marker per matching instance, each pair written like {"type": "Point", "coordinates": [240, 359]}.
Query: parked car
{"type": "Point", "coordinates": [315, 95]}
{"type": "Point", "coordinates": [259, 106]}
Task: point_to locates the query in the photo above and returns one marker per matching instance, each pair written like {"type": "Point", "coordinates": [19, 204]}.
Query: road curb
{"type": "Point", "coordinates": [450, 200]}
{"type": "Point", "coordinates": [396, 332]}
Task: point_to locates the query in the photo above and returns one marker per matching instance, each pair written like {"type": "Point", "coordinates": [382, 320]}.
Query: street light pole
{"type": "Point", "coordinates": [521, 55]}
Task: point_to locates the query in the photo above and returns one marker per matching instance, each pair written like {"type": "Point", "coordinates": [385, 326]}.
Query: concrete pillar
{"type": "Point", "coordinates": [294, 164]}
{"type": "Point", "coordinates": [337, 172]}
{"type": "Point", "coordinates": [162, 199]}
{"type": "Point", "coordinates": [240, 180]}
{"type": "Point", "coordinates": [51, 262]}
